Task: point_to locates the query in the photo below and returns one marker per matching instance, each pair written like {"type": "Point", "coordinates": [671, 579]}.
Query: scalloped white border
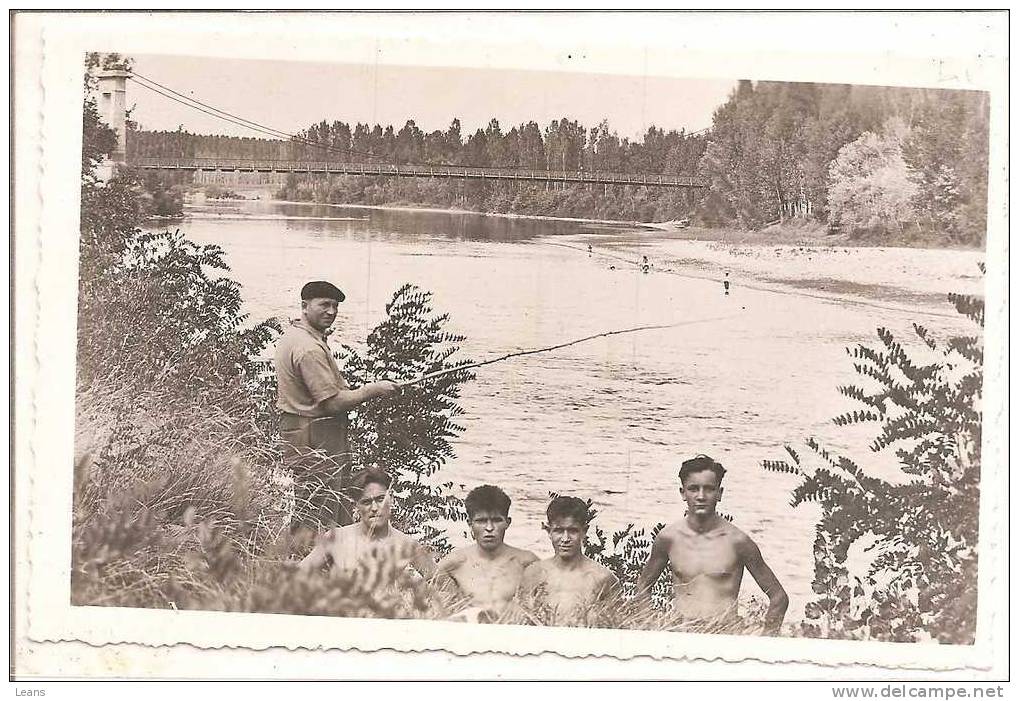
{"type": "Point", "coordinates": [957, 50]}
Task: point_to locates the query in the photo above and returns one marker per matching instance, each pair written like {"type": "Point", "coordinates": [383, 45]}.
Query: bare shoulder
{"type": "Point", "coordinates": [536, 571]}
{"type": "Point", "coordinates": [407, 541]}
{"type": "Point", "coordinates": [600, 572]}
{"type": "Point", "coordinates": [524, 557]}
{"type": "Point", "coordinates": [742, 542]}
{"type": "Point", "coordinates": [668, 534]}
{"type": "Point", "coordinates": [455, 559]}
{"type": "Point", "coordinates": [341, 532]}
{"type": "Point", "coordinates": [336, 536]}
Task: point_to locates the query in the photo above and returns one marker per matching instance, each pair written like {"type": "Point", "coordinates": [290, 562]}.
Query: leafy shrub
{"type": "Point", "coordinates": [869, 188]}
{"type": "Point", "coordinates": [408, 434]}
{"type": "Point", "coordinates": [215, 191]}
{"type": "Point", "coordinates": [920, 532]}
{"type": "Point", "coordinates": [625, 553]}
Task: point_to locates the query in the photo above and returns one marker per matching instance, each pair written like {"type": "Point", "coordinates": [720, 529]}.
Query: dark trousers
{"type": "Point", "coordinates": [318, 456]}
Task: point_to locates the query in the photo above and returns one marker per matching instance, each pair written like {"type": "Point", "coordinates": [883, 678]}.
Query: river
{"type": "Point", "coordinates": [610, 419]}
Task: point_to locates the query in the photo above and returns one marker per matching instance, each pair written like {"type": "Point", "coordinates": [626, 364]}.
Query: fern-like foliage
{"type": "Point", "coordinates": [409, 434]}
{"type": "Point", "coordinates": [920, 531]}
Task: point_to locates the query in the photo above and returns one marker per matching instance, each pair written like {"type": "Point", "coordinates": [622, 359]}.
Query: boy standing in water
{"type": "Point", "coordinates": [489, 571]}
{"type": "Point", "coordinates": [569, 580]}
{"type": "Point", "coordinates": [708, 554]}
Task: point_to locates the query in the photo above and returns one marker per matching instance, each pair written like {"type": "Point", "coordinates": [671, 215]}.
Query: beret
{"type": "Point", "coordinates": [320, 289]}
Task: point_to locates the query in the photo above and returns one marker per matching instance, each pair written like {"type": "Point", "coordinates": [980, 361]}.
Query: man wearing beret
{"type": "Point", "coordinates": [313, 401]}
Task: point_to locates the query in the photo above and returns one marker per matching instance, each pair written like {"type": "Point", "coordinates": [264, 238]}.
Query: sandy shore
{"type": "Point", "coordinates": [891, 278]}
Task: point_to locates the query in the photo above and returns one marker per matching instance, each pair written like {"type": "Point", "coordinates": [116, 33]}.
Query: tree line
{"type": "Point", "coordinates": [896, 164]}
{"type": "Point", "coordinates": [879, 161]}
{"type": "Point", "coordinates": [563, 145]}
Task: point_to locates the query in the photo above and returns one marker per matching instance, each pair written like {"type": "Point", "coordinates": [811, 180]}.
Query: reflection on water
{"type": "Point", "coordinates": [611, 419]}
{"type": "Point", "coordinates": [421, 223]}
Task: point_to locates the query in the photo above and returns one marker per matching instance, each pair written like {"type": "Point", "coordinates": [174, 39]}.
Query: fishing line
{"type": "Point", "coordinates": [532, 351]}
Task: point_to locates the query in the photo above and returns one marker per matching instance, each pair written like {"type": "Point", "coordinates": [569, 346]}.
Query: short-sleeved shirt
{"type": "Point", "coordinates": [305, 371]}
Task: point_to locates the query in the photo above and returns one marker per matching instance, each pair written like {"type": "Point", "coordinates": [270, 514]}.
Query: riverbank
{"type": "Point", "coordinates": [454, 210]}
{"type": "Point", "coordinates": [790, 233]}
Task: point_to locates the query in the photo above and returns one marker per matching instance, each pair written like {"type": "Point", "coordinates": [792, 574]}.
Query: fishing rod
{"type": "Point", "coordinates": [441, 373]}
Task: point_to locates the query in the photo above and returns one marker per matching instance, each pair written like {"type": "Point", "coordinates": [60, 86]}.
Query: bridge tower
{"type": "Point", "coordinates": [112, 109]}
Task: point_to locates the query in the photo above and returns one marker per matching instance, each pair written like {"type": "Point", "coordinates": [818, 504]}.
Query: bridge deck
{"type": "Point", "coordinates": [415, 171]}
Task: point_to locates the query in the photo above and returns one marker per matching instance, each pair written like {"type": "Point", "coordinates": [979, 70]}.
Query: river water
{"type": "Point", "coordinates": [610, 419]}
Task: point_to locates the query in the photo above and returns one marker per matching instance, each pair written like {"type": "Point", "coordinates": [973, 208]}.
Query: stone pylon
{"type": "Point", "coordinates": [112, 109]}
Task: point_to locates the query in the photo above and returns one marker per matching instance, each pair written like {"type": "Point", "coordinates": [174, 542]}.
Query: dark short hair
{"type": "Point", "coordinates": [368, 476]}
{"type": "Point", "coordinates": [320, 289]}
{"type": "Point", "coordinates": [700, 463]}
{"type": "Point", "coordinates": [487, 498]}
{"type": "Point", "coordinates": [562, 507]}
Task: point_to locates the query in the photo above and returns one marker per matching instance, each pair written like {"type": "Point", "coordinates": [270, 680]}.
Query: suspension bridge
{"type": "Point", "coordinates": [112, 105]}
{"type": "Point", "coordinates": [411, 171]}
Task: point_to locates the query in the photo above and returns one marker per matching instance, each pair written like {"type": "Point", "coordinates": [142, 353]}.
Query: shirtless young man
{"type": "Point", "coordinates": [707, 554]}
{"type": "Point", "coordinates": [488, 571]}
{"type": "Point", "coordinates": [342, 549]}
{"type": "Point", "coordinates": [569, 580]}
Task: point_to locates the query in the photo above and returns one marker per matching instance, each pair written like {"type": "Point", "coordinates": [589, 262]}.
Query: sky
{"type": "Point", "coordinates": [290, 96]}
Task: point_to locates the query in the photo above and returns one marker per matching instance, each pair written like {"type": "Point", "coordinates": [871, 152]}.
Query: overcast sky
{"type": "Point", "coordinates": [290, 96]}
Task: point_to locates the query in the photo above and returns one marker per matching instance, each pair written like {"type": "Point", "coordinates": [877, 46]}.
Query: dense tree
{"type": "Point", "coordinates": [870, 188]}
{"type": "Point", "coordinates": [772, 148]}
{"type": "Point", "coordinates": [946, 150]}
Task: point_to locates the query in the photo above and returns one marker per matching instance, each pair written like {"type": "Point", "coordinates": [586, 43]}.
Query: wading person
{"type": "Point", "coordinates": [708, 554]}
{"type": "Point", "coordinates": [489, 571]}
{"type": "Point", "coordinates": [313, 403]}
{"type": "Point", "coordinates": [342, 549]}
{"type": "Point", "coordinates": [568, 581]}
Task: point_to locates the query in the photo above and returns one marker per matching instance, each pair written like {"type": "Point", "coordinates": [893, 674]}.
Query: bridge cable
{"type": "Point", "coordinates": [241, 121]}
{"type": "Point", "coordinates": [270, 131]}
{"type": "Point", "coordinates": [247, 122]}
{"type": "Point", "coordinates": [267, 131]}
{"type": "Point", "coordinates": [213, 114]}
{"type": "Point", "coordinates": [255, 126]}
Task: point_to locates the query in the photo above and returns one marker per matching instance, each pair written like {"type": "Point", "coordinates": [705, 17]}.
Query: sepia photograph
{"type": "Point", "coordinates": [518, 349]}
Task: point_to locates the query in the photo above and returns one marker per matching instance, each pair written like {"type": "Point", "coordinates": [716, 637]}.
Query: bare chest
{"type": "Point", "coordinates": [711, 555]}
{"type": "Point", "coordinates": [489, 580]}
{"type": "Point", "coordinates": [568, 589]}
{"type": "Point", "coordinates": [350, 551]}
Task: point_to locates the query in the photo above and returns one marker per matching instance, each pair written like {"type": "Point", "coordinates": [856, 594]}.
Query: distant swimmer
{"type": "Point", "coordinates": [725, 283]}
{"type": "Point", "coordinates": [645, 265]}
{"type": "Point", "coordinates": [708, 555]}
